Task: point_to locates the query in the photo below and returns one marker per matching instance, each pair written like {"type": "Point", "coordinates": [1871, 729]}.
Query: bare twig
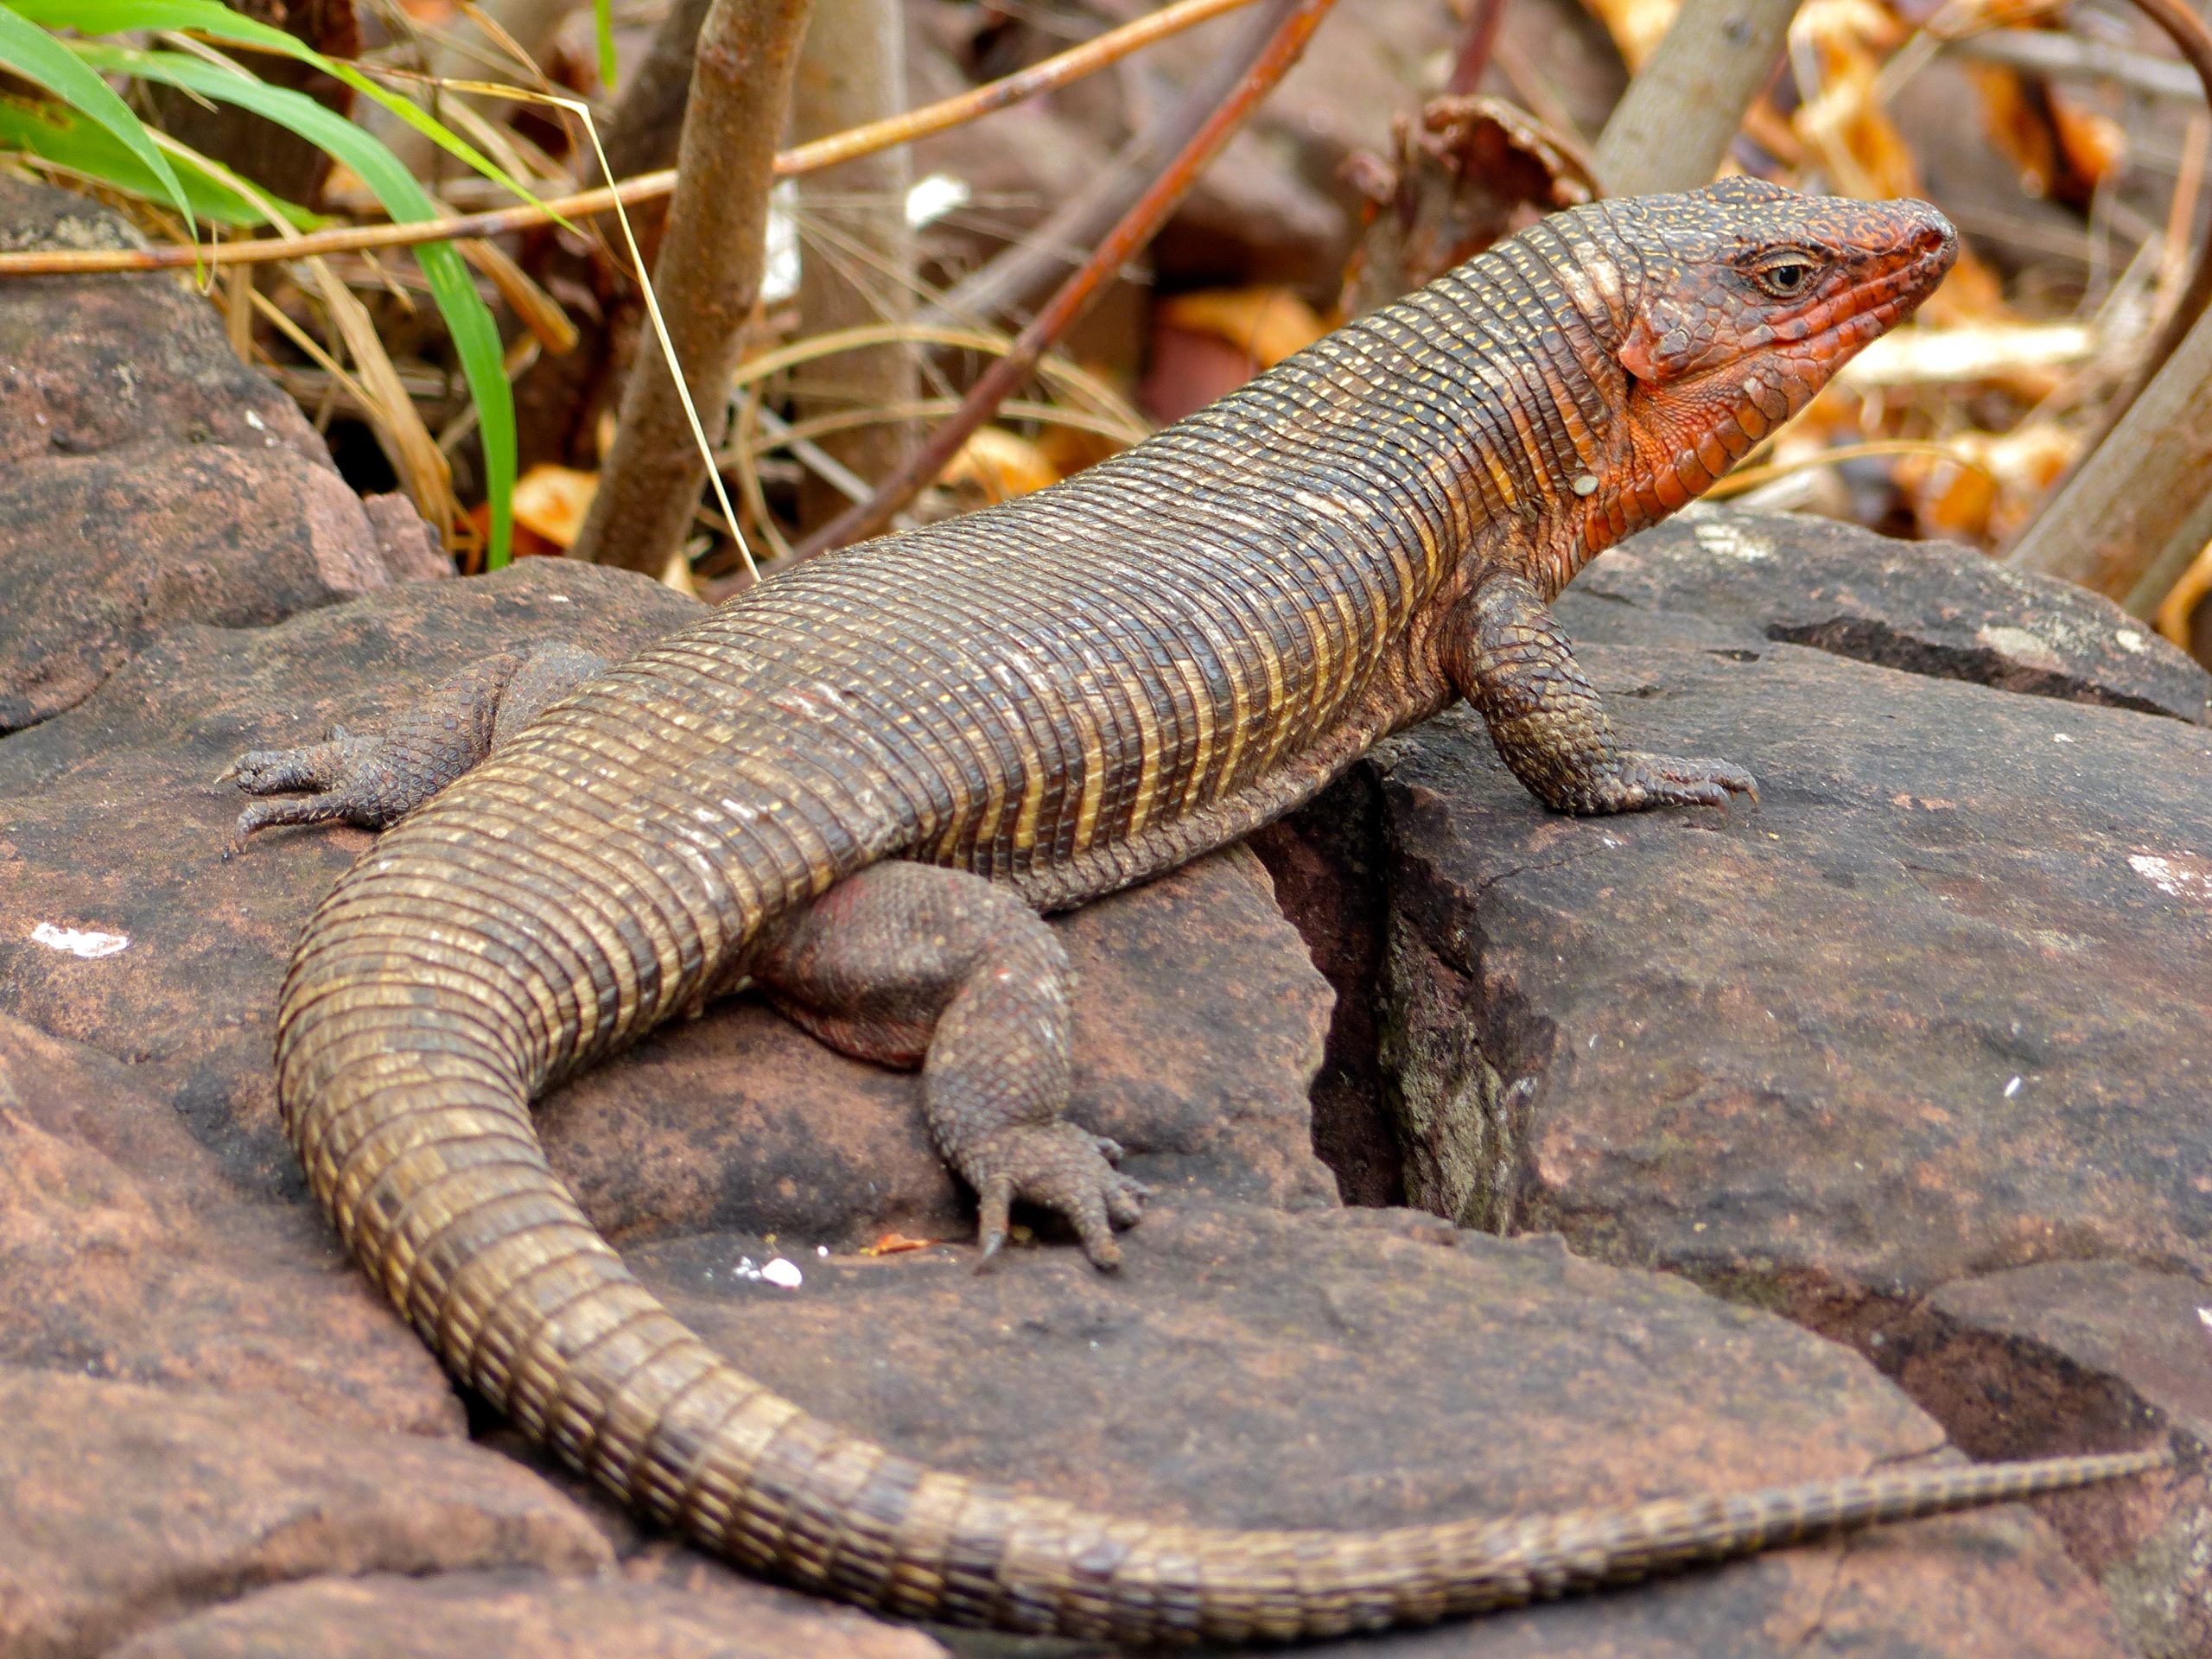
{"type": "Point", "coordinates": [708, 278]}
{"type": "Point", "coordinates": [2177, 611]}
{"type": "Point", "coordinates": [1067, 377]}
{"type": "Point", "coordinates": [1673, 126]}
{"type": "Point", "coordinates": [1039, 78]}
{"type": "Point", "coordinates": [2063, 56]}
{"type": "Point", "coordinates": [1300, 18]}
{"type": "Point", "coordinates": [1476, 41]}
{"type": "Point", "coordinates": [2137, 503]}
{"type": "Point", "coordinates": [641, 133]}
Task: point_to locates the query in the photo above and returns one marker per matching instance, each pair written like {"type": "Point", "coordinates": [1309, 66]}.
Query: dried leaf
{"type": "Point", "coordinates": [551, 502]}
{"type": "Point", "coordinates": [1635, 25]}
{"type": "Point", "coordinates": [999, 465]}
{"type": "Point", "coordinates": [1267, 323]}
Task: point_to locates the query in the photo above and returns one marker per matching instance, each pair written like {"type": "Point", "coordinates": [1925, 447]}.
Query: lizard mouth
{"type": "Point", "coordinates": [1885, 299]}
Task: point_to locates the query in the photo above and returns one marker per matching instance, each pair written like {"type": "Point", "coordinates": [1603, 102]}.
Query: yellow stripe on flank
{"type": "Point", "coordinates": [1240, 709]}
{"type": "Point", "coordinates": [1094, 774]}
{"type": "Point", "coordinates": [1148, 767]}
{"type": "Point", "coordinates": [1202, 747]}
{"type": "Point", "coordinates": [1032, 798]}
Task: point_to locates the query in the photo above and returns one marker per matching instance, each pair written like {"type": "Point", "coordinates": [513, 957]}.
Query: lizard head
{"type": "Point", "coordinates": [1739, 302]}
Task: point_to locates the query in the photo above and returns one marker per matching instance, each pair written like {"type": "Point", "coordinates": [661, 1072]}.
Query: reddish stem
{"type": "Point", "coordinates": [1475, 48]}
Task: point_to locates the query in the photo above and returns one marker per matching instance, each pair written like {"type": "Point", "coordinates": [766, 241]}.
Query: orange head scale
{"type": "Point", "coordinates": [1737, 303]}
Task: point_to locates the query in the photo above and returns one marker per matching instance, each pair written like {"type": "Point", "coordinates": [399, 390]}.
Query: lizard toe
{"type": "Point", "coordinates": [275, 772]}
{"type": "Point", "coordinates": [1059, 1167]}
{"type": "Point", "coordinates": [1672, 780]}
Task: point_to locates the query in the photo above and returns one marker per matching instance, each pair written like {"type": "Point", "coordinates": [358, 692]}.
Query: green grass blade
{"type": "Point", "coordinates": [476, 341]}
{"type": "Point", "coordinates": [213, 18]}
{"type": "Point", "coordinates": [68, 140]}
{"type": "Point", "coordinates": [38, 57]}
{"type": "Point", "coordinates": [468, 321]}
{"type": "Point", "coordinates": [602, 17]}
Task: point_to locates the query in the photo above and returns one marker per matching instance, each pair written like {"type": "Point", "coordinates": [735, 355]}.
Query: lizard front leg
{"type": "Point", "coordinates": [375, 779]}
{"type": "Point", "coordinates": [905, 963]}
{"type": "Point", "coordinates": [1508, 656]}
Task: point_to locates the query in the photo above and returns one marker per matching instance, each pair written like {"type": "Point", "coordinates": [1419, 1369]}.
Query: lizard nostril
{"type": "Point", "coordinates": [1934, 233]}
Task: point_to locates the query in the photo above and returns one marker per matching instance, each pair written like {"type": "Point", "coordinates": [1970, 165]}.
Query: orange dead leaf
{"type": "Point", "coordinates": [898, 1244]}
{"type": "Point", "coordinates": [1635, 25]}
{"type": "Point", "coordinates": [999, 464]}
{"type": "Point", "coordinates": [1989, 498]}
{"type": "Point", "coordinates": [527, 544]}
{"type": "Point", "coordinates": [1267, 322]}
{"type": "Point", "coordinates": [552, 502]}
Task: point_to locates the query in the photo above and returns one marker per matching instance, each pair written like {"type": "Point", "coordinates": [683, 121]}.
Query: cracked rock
{"type": "Point", "coordinates": [125, 1255]}
{"type": "Point", "coordinates": [121, 1507]}
{"type": "Point", "coordinates": [1917, 1020]}
{"type": "Point", "coordinates": [1927, 608]}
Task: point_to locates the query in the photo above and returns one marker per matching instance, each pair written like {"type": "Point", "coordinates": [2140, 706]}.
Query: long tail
{"type": "Point", "coordinates": [419, 1017]}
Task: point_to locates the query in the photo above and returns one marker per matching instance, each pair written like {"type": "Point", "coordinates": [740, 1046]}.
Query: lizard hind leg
{"type": "Point", "coordinates": [906, 964]}
{"type": "Point", "coordinates": [374, 779]}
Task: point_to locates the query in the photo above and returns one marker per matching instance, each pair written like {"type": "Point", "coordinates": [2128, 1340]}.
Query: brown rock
{"type": "Point", "coordinates": [1927, 608]}
{"type": "Point", "coordinates": [2074, 1352]}
{"type": "Point", "coordinates": [1200, 1017]}
{"type": "Point", "coordinates": [125, 1255]}
{"type": "Point", "coordinates": [1363, 1368]}
{"type": "Point", "coordinates": [100, 555]}
{"type": "Point", "coordinates": [408, 546]}
{"type": "Point", "coordinates": [1910, 1020]}
{"type": "Point", "coordinates": [1910, 1023]}
{"type": "Point", "coordinates": [527, 1615]}
{"type": "Point", "coordinates": [121, 1507]}
{"type": "Point", "coordinates": [93, 364]}
{"type": "Point", "coordinates": [147, 478]}
{"type": "Point", "coordinates": [111, 821]}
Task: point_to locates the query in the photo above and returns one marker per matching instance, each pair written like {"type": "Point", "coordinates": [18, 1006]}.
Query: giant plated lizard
{"type": "Point", "coordinates": [858, 786]}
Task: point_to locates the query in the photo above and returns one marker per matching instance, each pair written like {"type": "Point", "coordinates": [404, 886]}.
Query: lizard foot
{"type": "Point", "coordinates": [344, 776]}
{"type": "Point", "coordinates": [1062, 1168]}
{"type": "Point", "coordinates": [1669, 780]}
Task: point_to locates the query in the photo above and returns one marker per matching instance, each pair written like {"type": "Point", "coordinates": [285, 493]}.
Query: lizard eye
{"type": "Point", "coordinates": [1785, 277]}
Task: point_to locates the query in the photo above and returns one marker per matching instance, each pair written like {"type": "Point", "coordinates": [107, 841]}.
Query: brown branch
{"type": "Point", "coordinates": [708, 278]}
{"type": "Point", "coordinates": [2128, 475]}
{"type": "Point", "coordinates": [1476, 41]}
{"type": "Point", "coordinates": [2139, 499]}
{"type": "Point", "coordinates": [1039, 78]}
{"type": "Point", "coordinates": [858, 262]}
{"type": "Point", "coordinates": [1300, 18]}
{"type": "Point", "coordinates": [648, 116]}
{"type": "Point", "coordinates": [2194, 42]}
{"type": "Point", "coordinates": [1674, 125]}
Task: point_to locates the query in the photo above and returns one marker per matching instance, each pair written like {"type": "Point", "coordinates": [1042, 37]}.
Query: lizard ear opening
{"type": "Point", "coordinates": [1637, 354]}
{"type": "Point", "coordinates": [1657, 342]}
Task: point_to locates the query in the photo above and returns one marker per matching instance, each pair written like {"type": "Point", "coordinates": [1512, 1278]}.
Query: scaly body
{"type": "Point", "coordinates": [859, 784]}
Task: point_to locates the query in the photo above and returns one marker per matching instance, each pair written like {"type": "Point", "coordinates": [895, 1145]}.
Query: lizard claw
{"type": "Point", "coordinates": [1059, 1167]}
{"type": "Point", "coordinates": [1671, 780]}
